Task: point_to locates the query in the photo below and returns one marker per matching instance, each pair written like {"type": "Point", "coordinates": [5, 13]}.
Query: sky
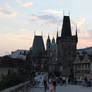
{"type": "Point", "coordinates": [21, 19]}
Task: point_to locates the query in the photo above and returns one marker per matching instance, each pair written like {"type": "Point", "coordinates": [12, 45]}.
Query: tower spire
{"type": "Point", "coordinates": [48, 36]}
{"type": "Point", "coordinates": [57, 36]}
{"type": "Point", "coordinates": [66, 28]}
{"type": "Point", "coordinates": [76, 34]}
{"type": "Point", "coordinates": [76, 31]}
{"type": "Point", "coordinates": [57, 33]}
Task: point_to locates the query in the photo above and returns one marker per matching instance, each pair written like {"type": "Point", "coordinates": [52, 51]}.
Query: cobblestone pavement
{"type": "Point", "coordinates": [65, 88]}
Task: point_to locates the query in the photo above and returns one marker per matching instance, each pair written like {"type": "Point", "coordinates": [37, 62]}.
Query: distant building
{"type": "Point", "coordinates": [85, 51]}
{"type": "Point", "coordinates": [19, 54]}
{"type": "Point", "coordinates": [82, 67]}
{"type": "Point", "coordinates": [59, 56]}
{"type": "Point", "coordinates": [8, 65]}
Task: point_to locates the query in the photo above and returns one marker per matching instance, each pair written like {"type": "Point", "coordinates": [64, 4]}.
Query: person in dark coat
{"type": "Point", "coordinates": [45, 85]}
{"type": "Point", "coordinates": [54, 85]}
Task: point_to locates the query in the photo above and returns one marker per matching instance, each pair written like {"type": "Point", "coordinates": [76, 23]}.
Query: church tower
{"type": "Point", "coordinates": [66, 47]}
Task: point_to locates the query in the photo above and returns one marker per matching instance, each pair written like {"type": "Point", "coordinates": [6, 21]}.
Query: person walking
{"type": "Point", "coordinates": [66, 81]}
{"type": "Point", "coordinates": [54, 85]}
{"type": "Point", "coordinates": [45, 85]}
{"type": "Point", "coordinates": [86, 81]}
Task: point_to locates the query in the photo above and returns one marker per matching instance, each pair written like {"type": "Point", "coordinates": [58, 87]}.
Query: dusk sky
{"type": "Point", "coordinates": [20, 19]}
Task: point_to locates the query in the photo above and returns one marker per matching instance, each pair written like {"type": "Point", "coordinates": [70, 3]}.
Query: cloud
{"type": "Point", "coordinates": [21, 40]}
{"type": "Point", "coordinates": [79, 22]}
{"type": "Point", "coordinates": [47, 18]}
{"type": "Point", "coordinates": [14, 41]}
{"type": "Point", "coordinates": [11, 14]}
{"type": "Point", "coordinates": [24, 4]}
{"type": "Point", "coordinates": [6, 5]}
{"type": "Point", "coordinates": [85, 34]}
{"type": "Point", "coordinates": [54, 11]}
{"type": "Point", "coordinates": [23, 34]}
{"type": "Point", "coordinates": [83, 43]}
{"type": "Point", "coordinates": [7, 13]}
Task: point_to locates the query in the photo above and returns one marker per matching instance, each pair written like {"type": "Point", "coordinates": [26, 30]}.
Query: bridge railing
{"type": "Point", "coordinates": [23, 87]}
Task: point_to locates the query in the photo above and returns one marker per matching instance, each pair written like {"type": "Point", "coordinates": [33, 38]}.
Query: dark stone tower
{"type": "Point", "coordinates": [66, 47]}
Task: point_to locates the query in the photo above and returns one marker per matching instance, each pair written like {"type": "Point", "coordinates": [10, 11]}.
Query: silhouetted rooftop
{"type": "Point", "coordinates": [66, 28]}
{"type": "Point", "coordinates": [38, 45]}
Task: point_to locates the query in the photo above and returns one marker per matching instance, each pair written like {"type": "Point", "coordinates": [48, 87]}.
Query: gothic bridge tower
{"type": "Point", "coordinates": [66, 47]}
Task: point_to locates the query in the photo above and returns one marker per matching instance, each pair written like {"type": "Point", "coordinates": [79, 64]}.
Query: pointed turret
{"type": "Point", "coordinates": [53, 47]}
{"type": "Point", "coordinates": [53, 40]}
{"type": "Point", "coordinates": [48, 40]}
{"type": "Point", "coordinates": [76, 31]}
{"type": "Point", "coordinates": [57, 33]}
{"type": "Point", "coordinates": [48, 43]}
{"type": "Point", "coordinates": [76, 34]}
{"type": "Point", "coordinates": [66, 28]}
{"type": "Point", "coordinates": [48, 46]}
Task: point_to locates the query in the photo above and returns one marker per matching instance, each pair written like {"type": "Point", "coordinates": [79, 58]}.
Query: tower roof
{"type": "Point", "coordinates": [66, 28]}
{"type": "Point", "coordinates": [48, 40]}
{"type": "Point", "coordinates": [38, 45]}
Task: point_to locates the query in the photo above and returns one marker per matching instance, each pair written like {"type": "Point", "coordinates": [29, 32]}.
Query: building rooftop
{"type": "Point", "coordinates": [38, 45]}
{"type": "Point", "coordinates": [66, 28]}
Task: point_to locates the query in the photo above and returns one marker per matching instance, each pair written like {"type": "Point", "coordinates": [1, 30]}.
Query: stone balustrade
{"type": "Point", "coordinates": [23, 87]}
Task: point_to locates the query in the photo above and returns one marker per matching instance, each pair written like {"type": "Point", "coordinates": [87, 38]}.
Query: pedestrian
{"type": "Point", "coordinates": [54, 85]}
{"type": "Point", "coordinates": [66, 81]}
{"type": "Point", "coordinates": [45, 85]}
{"type": "Point", "coordinates": [86, 81]}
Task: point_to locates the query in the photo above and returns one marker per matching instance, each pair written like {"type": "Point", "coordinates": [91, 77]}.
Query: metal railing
{"type": "Point", "coordinates": [23, 87]}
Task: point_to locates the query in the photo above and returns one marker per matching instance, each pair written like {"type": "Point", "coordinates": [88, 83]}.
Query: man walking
{"type": "Point", "coordinates": [54, 85]}
{"type": "Point", "coordinates": [45, 85]}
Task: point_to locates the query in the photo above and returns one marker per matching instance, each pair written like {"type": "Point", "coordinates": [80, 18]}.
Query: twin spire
{"type": "Point", "coordinates": [49, 41]}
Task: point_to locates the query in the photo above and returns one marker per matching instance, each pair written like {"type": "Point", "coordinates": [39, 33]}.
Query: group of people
{"type": "Point", "coordinates": [54, 81]}
{"type": "Point", "coordinates": [52, 88]}
{"type": "Point", "coordinates": [65, 80]}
